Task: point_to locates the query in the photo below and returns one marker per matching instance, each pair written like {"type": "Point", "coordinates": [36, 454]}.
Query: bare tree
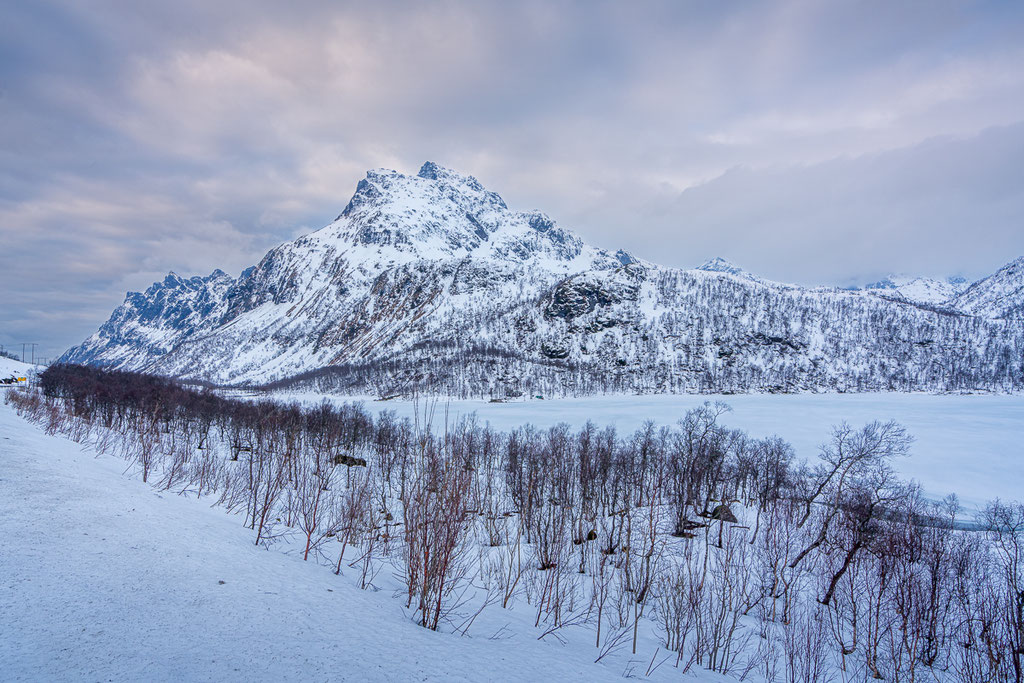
{"type": "Point", "coordinates": [849, 454]}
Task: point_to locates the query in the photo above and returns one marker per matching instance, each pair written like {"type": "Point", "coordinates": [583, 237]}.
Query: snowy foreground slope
{"type": "Point", "coordinates": [430, 283]}
{"type": "Point", "coordinates": [15, 368]}
{"type": "Point", "coordinates": [658, 552]}
{"type": "Point", "coordinates": [104, 578]}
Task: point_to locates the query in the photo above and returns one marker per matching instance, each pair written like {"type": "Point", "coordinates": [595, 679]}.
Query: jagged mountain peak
{"type": "Point", "coordinates": [174, 281]}
{"type": "Point", "coordinates": [440, 213]}
{"type": "Point", "coordinates": [431, 183]}
{"type": "Point", "coordinates": [431, 171]}
{"type": "Point", "coordinates": [722, 265]}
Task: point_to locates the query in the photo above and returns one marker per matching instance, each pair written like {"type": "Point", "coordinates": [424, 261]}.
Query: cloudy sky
{"type": "Point", "coordinates": [812, 142]}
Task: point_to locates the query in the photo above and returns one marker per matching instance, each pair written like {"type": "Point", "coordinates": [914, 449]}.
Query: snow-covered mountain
{"type": "Point", "coordinates": [924, 290]}
{"type": "Point", "coordinates": [149, 325]}
{"type": "Point", "coordinates": [1000, 295]}
{"type": "Point", "coordinates": [721, 265]}
{"type": "Point", "coordinates": [431, 283]}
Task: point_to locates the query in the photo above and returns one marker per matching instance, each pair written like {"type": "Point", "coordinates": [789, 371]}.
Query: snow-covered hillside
{"type": "Point", "coordinates": [430, 283]}
{"type": "Point", "coordinates": [10, 368]}
{"type": "Point", "coordinates": [1000, 295]}
{"type": "Point", "coordinates": [104, 578]}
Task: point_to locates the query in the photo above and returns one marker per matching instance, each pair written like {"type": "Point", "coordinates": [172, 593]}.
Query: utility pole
{"type": "Point", "coordinates": [34, 345]}
{"type": "Point", "coordinates": [23, 345]}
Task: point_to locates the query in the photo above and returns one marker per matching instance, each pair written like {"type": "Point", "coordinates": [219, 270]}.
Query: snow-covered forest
{"type": "Point", "coordinates": [693, 548]}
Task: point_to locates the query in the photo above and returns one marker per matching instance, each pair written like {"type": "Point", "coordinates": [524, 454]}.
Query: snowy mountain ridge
{"type": "Point", "coordinates": [430, 282]}
{"type": "Point", "coordinates": [920, 289]}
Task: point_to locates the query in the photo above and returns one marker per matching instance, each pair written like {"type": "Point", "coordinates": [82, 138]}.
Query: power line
{"type": "Point", "coordinates": [24, 353]}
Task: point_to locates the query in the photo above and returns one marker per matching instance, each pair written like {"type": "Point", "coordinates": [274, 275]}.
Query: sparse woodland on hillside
{"type": "Point", "coordinates": [740, 558]}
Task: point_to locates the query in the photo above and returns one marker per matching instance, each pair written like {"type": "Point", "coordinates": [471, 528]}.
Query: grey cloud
{"type": "Point", "coordinates": [942, 207]}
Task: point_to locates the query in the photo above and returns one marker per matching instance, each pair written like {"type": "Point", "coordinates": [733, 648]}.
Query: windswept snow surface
{"type": "Point", "coordinates": [968, 445]}
{"type": "Point", "coordinates": [104, 578]}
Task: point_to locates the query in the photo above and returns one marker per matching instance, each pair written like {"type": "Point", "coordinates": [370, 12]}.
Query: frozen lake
{"type": "Point", "coordinates": [969, 445]}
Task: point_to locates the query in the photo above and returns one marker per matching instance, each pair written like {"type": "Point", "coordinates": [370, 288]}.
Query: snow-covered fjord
{"type": "Point", "coordinates": [970, 445]}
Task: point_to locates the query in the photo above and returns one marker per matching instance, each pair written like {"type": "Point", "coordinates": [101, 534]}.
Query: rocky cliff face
{"type": "Point", "coordinates": [149, 325]}
{"type": "Point", "coordinates": [431, 283]}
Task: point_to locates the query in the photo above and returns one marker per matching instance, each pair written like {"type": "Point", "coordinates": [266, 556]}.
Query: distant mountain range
{"type": "Point", "coordinates": [920, 289]}
{"type": "Point", "coordinates": [430, 283]}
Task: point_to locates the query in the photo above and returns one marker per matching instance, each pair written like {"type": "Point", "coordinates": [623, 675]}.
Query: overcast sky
{"type": "Point", "coordinates": [808, 141]}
